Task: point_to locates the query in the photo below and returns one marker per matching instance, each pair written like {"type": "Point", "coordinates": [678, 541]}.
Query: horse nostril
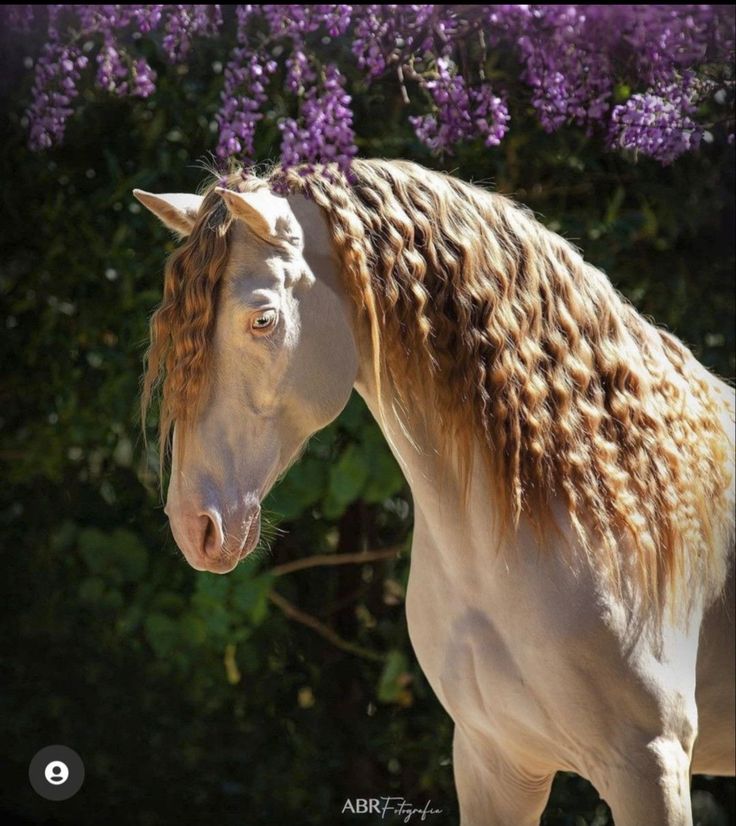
{"type": "Point", "coordinates": [209, 542]}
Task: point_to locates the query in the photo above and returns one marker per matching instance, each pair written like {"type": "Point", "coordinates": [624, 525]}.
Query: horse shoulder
{"type": "Point", "coordinates": [528, 649]}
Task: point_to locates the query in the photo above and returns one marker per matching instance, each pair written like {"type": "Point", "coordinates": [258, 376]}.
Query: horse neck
{"type": "Point", "coordinates": [444, 506]}
{"type": "Point", "coordinates": [437, 485]}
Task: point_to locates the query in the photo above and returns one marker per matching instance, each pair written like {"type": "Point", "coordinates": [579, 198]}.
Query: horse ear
{"type": "Point", "coordinates": [267, 215]}
{"type": "Point", "coordinates": [177, 210]}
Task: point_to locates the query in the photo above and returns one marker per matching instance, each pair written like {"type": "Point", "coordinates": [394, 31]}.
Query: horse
{"type": "Point", "coordinates": [571, 594]}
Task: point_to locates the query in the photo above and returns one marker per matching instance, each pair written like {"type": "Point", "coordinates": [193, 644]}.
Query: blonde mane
{"type": "Point", "coordinates": [526, 348]}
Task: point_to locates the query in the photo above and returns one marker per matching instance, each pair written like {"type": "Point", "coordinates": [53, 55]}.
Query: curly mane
{"type": "Point", "coordinates": [181, 329]}
{"type": "Point", "coordinates": [527, 349]}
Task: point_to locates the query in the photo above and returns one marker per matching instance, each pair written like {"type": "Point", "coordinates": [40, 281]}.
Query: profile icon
{"type": "Point", "coordinates": [56, 772]}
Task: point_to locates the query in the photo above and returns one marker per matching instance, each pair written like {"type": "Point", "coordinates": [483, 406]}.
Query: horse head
{"type": "Point", "coordinates": [257, 341]}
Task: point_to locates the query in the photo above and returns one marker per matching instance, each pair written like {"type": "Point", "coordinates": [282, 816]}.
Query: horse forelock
{"type": "Point", "coordinates": [182, 327]}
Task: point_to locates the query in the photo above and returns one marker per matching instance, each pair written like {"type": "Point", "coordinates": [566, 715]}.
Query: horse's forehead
{"type": "Point", "coordinates": [253, 267]}
{"type": "Point", "coordinates": [248, 256]}
{"type": "Point", "coordinates": [244, 247]}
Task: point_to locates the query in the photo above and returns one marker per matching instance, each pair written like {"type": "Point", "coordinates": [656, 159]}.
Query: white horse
{"type": "Point", "coordinates": [571, 598]}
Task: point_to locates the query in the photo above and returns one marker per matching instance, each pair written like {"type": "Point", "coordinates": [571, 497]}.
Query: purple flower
{"type": "Point", "coordinates": [243, 96]}
{"type": "Point", "coordinates": [299, 72]}
{"type": "Point", "coordinates": [634, 75]}
{"type": "Point", "coordinates": [57, 73]}
{"type": "Point", "coordinates": [297, 21]}
{"type": "Point", "coordinates": [147, 18]}
{"type": "Point", "coordinates": [17, 18]}
{"type": "Point", "coordinates": [143, 79]}
{"type": "Point", "coordinates": [112, 73]}
{"type": "Point", "coordinates": [389, 35]}
{"type": "Point", "coordinates": [569, 73]}
{"type": "Point", "coordinates": [323, 133]}
{"type": "Point", "coordinates": [490, 115]}
{"type": "Point", "coordinates": [657, 125]}
{"type": "Point", "coordinates": [186, 22]}
{"type": "Point", "coordinates": [460, 113]}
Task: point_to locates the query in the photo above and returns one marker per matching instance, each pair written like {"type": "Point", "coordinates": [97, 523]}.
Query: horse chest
{"type": "Point", "coordinates": [481, 651]}
{"type": "Point", "coordinates": [524, 657]}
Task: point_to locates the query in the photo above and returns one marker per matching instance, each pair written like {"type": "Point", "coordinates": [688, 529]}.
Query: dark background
{"type": "Point", "coordinates": [192, 698]}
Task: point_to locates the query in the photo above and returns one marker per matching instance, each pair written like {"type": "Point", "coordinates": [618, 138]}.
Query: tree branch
{"type": "Point", "coordinates": [294, 613]}
{"type": "Point", "coordinates": [333, 559]}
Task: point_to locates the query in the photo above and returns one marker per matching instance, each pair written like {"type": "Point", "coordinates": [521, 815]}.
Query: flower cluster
{"type": "Point", "coordinates": [243, 96]}
{"type": "Point", "coordinates": [659, 125]}
{"type": "Point", "coordinates": [570, 75]}
{"type": "Point", "coordinates": [54, 88]}
{"type": "Point", "coordinates": [298, 21]}
{"type": "Point", "coordinates": [637, 76]}
{"type": "Point", "coordinates": [461, 114]}
{"type": "Point", "coordinates": [58, 71]}
{"type": "Point", "coordinates": [244, 93]}
{"type": "Point", "coordinates": [387, 36]}
{"type": "Point", "coordinates": [123, 76]}
{"type": "Point", "coordinates": [184, 23]}
{"type": "Point", "coordinates": [323, 133]}
{"type": "Point", "coordinates": [18, 18]}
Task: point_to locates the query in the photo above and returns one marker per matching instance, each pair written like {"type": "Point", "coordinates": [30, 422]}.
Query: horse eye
{"type": "Point", "coordinates": [264, 321]}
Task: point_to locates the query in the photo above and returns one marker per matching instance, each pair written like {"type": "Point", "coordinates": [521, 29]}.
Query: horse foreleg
{"type": "Point", "coordinates": [491, 790]}
{"type": "Point", "coordinates": [650, 786]}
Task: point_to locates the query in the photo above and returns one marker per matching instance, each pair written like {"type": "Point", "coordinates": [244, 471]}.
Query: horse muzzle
{"type": "Point", "coordinates": [212, 542]}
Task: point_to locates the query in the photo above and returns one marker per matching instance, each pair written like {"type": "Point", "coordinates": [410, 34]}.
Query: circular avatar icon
{"type": "Point", "coordinates": [56, 772]}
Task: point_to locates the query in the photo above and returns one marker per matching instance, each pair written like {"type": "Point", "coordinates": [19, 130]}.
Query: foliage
{"type": "Point", "coordinates": [645, 78]}
{"type": "Point", "coordinates": [194, 698]}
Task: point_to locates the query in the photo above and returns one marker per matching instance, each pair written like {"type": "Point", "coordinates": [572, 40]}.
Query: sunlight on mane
{"type": "Point", "coordinates": [524, 347]}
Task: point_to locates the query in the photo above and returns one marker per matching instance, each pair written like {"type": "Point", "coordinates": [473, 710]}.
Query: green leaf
{"type": "Point", "coordinates": [117, 557]}
{"type": "Point", "coordinates": [131, 556]}
{"type": "Point", "coordinates": [192, 629]}
{"type": "Point", "coordinates": [212, 588]}
{"type": "Point", "coordinates": [250, 597]}
{"type": "Point", "coordinates": [62, 539]}
{"type": "Point", "coordinates": [347, 479]}
{"type": "Point", "coordinates": [621, 93]}
{"type": "Point", "coordinates": [385, 476]}
{"type": "Point", "coordinates": [162, 634]}
{"type": "Point", "coordinates": [91, 590]}
{"type": "Point", "coordinates": [389, 688]}
{"type": "Point", "coordinates": [303, 487]}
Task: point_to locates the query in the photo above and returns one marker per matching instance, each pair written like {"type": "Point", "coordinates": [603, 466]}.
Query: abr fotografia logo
{"type": "Point", "coordinates": [389, 806]}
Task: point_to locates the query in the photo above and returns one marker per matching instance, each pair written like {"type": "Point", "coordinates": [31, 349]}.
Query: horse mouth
{"type": "Point", "coordinates": [231, 557]}
{"type": "Point", "coordinates": [252, 537]}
